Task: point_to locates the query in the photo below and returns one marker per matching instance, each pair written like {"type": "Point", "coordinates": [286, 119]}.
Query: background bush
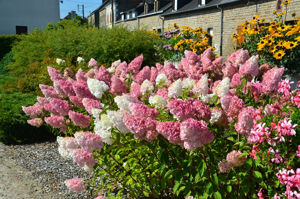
{"type": "Point", "coordinates": [6, 42]}
{"type": "Point", "coordinates": [13, 121]}
{"type": "Point", "coordinates": [70, 39]}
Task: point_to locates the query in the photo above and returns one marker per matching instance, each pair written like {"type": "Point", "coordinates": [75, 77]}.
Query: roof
{"type": "Point", "coordinates": [193, 6]}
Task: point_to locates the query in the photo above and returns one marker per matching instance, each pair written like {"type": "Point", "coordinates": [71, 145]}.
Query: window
{"type": "Point", "coordinates": [155, 5]}
{"type": "Point", "coordinates": [21, 30]}
{"type": "Point", "coordinates": [210, 36]}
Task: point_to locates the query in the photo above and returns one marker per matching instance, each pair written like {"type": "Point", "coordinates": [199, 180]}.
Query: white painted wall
{"type": "Point", "coordinates": [30, 13]}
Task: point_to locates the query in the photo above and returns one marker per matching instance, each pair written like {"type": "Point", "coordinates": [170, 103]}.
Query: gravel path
{"type": "Point", "coordinates": [36, 171]}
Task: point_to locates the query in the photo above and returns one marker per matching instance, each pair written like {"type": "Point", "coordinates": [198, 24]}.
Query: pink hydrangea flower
{"type": "Point", "coordinates": [103, 75]}
{"type": "Point", "coordinates": [75, 184]}
{"type": "Point", "coordinates": [201, 110]}
{"type": "Point", "coordinates": [236, 80]}
{"type": "Point", "coordinates": [79, 119]}
{"type": "Point", "coordinates": [92, 63]}
{"type": "Point", "coordinates": [49, 107]}
{"type": "Point", "coordinates": [82, 90]}
{"type": "Point", "coordinates": [245, 121]}
{"type": "Point", "coordinates": [235, 106]}
{"type": "Point", "coordinates": [194, 134]}
{"type": "Point", "coordinates": [250, 67]}
{"type": "Point", "coordinates": [121, 68]}
{"type": "Point", "coordinates": [235, 158]}
{"type": "Point", "coordinates": [100, 197]}
{"type": "Point", "coordinates": [144, 74]}
{"type": "Point", "coordinates": [135, 64]}
{"type": "Point", "coordinates": [48, 91]}
{"type": "Point", "coordinates": [91, 73]}
{"type": "Point", "coordinates": [77, 101]}
{"type": "Point", "coordinates": [54, 74]}
{"type": "Point", "coordinates": [83, 158]}
{"type": "Point", "coordinates": [191, 56]}
{"type": "Point", "coordinates": [229, 69]}
{"type": "Point", "coordinates": [225, 166]}
{"type": "Point", "coordinates": [163, 92]}
{"type": "Point", "coordinates": [153, 74]}
{"type": "Point", "coordinates": [80, 75]}
{"type": "Point", "coordinates": [89, 104]}
{"type": "Point", "coordinates": [117, 86]}
{"type": "Point", "coordinates": [33, 111]}
{"type": "Point", "coordinates": [141, 126]}
{"type": "Point", "coordinates": [66, 87]}
{"type": "Point", "coordinates": [238, 57]}
{"type": "Point", "coordinates": [182, 110]}
{"type": "Point", "coordinates": [135, 90]}
{"type": "Point", "coordinates": [60, 106]}
{"type": "Point", "coordinates": [271, 79]}
{"type": "Point", "coordinates": [37, 122]}
{"type": "Point", "coordinates": [55, 121]}
{"type": "Point", "coordinates": [170, 130]}
{"type": "Point", "coordinates": [88, 141]}
{"type": "Point", "coordinates": [42, 100]}
{"type": "Point", "coordinates": [141, 110]}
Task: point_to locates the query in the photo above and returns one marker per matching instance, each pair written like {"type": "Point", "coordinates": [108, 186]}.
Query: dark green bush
{"type": "Point", "coordinates": [4, 62]}
{"type": "Point", "coordinates": [6, 42]}
{"type": "Point", "coordinates": [13, 121]}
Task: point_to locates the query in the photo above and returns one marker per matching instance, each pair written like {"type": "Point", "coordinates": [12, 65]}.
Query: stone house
{"type": "Point", "coordinates": [219, 17]}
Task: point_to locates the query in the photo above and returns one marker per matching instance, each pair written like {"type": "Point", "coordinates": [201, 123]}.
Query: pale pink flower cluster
{"type": "Point", "coordinates": [245, 121]}
{"type": "Point", "coordinates": [33, 111]}
{"type": "Point", "coordinates": [75, 184]}
{"type": "Point", "coordinates": [225, 166]}
{"type": "Point", "coordinates": [236, 158]}
{"type": "Point", "coordinates": [271, 79]}
{"type": "Point", "coordinates": [79, 119]}
{"type": "Point", "coordinates": [88, 141]}
{"type": "Point", "coordinates": [170, 130]}
{"type": "Point", "coordinates": [195, 133]}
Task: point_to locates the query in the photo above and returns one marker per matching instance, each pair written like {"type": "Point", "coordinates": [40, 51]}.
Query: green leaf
{"type": "Point", "coordinates": [176, 186]}
{"type": "Point", "coordinates": [257, 175]}
{"type": "Point", "coordinates": [229, 188]}
{"type": "Point", "coordinates": [217, 195]}
{"type": "Point", "coordinates": [215, 179]}
{"type": "Point", "coordinates": [201, 168]}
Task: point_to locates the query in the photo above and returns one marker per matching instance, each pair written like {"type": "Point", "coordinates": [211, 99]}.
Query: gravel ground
{"type": "Point", "coordinates": [37, 171]}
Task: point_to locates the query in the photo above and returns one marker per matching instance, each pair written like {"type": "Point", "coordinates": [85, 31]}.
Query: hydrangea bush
{"type": "Point", "coordinates": [204, 129]}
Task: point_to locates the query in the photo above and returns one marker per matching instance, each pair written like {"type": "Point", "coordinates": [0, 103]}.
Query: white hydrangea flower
{"type": "Point", "coordinates": [215, 116]}
{"type": "Point", "coordinates": [66, 146]}
{"type": "Point", "coordinates": [223, 87]}
{"type": "Point", "coordinates": [103, 131]}
{"type": "Point", "coordinates": [157, 101]}
{"type": "Point", "coordinates": [97, 87]}
{"type": "Point", "coordinates": [175, 88]}
{"type": "Point", "coordinates": [80, 59]}
{"type": "Point", "coordinates": [123, 101]}
{"type": "Point", "coordinates": [161, 78]}
{"type": "Point", "coordinates": [60, 61]}
{"type": "Point", "coordinates": [117, 120]}
{"type": "Point", "coordinates": [111, 69]}
{"type": "Point", "coordinates": [96, 112]}
{"type": "Point", "coordinates": [201, 87]}
{"type": "Point", "coordinates": [209, 98]}
{"type": "Point", "coordinates": [188, 83]}
{"type": "Point", "coordinates": [146, 86]}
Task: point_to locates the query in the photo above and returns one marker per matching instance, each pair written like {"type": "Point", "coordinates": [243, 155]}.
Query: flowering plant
{"type": "Point", "coordinates": [277, 42]}
{"type": "Point", "coordinates": [205, 129]}
{"type": "Point", "coordinates": [176, 40]}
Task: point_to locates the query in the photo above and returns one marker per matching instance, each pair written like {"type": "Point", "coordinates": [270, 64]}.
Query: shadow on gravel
{"type": "Point", "coordinates": [26, 134]}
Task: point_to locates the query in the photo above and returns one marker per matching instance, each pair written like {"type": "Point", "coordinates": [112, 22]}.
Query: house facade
{"type": "Point", "coordinates": [218, 17]}
{"type": "Point", "coordinates": [24, 16]}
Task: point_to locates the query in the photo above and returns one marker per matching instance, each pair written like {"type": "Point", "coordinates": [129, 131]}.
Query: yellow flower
{"type": "Point", "coordinates": [280, 13]}
{"type": "Point", "coordinates": [293, 31]}
{"type": "Point", "coordinates": [286, 2]}
{"type": "Point", "coordinates": [290, 44]}
{"type": "Point", "coordinates": [175, 46]}
{"type": "Point", "coordinates": [280, 43]}
{"type": "Point", "coordinates": [175, 25]}
{"type": "Point", "coordinates": [279, 54]}
{"type": "Point", "coordinates": [272, 49]}
{"type": "Point", "coordinates": [270, 41]}
{"type": "Point", "coordinates": [195, 50]}
{"type": "Point", "coordinates": [297, 38]}
{"type": "Point", "coordinates": [188, 41]}
{"type": "Point", "coordinates": [205, 39]}
{"type": "Point", "coordinates": [180, 48]}
{"type": "Point", "coordinates": [262, 43]}
{"type": "Point", "coordinates": [192, 46]}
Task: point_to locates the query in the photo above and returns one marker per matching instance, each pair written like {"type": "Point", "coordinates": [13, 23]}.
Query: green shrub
{"type": "Point", "coordinates": [13, 121]}
{"type": "Point", "coordinates": [6, 42]}
{"type": "Point", "coordinates": [70, 39]}
{"type": "Point", "coordinates": [8, 58]}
